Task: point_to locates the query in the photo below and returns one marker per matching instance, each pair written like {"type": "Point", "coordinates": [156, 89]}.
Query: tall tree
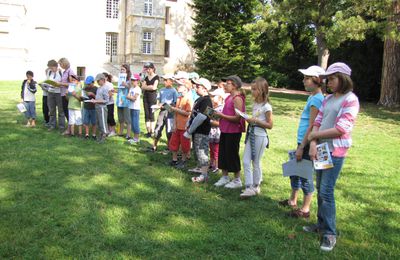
{"type": "Point", "coordinates": [390, 85]}
{"type": "Point", "coordinates": [221, 43]}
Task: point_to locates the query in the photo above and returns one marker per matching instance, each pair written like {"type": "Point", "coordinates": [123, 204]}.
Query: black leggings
{"type": "Point", "coordinates": [149, 99]}
{"type": "Point", "coordinates": [110, 115]}
{"type": "Point", "coordinates": [45, 110]}
{"type": "Point", "coordinates": [65, 106]}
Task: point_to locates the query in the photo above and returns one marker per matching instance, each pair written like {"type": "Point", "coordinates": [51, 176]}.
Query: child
{"type": "Point", "coordinates": [74, 106]}
{"type": "Point", "coordinates": [124, 116]}
{"type": "Point", "coordinates": [200, 127]}
{"type": "Point", "coordinates": [54, 99]}
{"type": "Point", "coordinates": [217, 97]}
{"type": "Point", "coordinates": [103, 95]}
{"type": "Point", "coordinates": [256, 137]}
{"type": "Point", "coordinates": [182, 112]}
{"type": "Point", "coordinates": [232, 126]}
{"type": "Point", "coordinates": [134, 96]}
{"type": "Point", "coordinates": [333, 125]}
{"type": "Point", "coordinates": [168, 95]}
{"type": "Point", "coordinates": [28, 90]}
{"type": "Point", "coordinates": [312, 84]}
{"type": "Point", "coordinates": [110, 105]}
{"type": "Point", "coordinates": [89, 111]}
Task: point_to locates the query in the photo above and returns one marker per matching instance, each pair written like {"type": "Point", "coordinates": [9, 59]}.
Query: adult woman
{"type": "Point", "coordinates": [149, 87]}
{"type": "Point", "coordinates": [66, 66]}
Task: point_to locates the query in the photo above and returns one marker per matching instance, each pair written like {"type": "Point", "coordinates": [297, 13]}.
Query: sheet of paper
{"type": "Point", "coordinates": [240, 113]}
{"type": "Point", "coordinates": [303, 168]}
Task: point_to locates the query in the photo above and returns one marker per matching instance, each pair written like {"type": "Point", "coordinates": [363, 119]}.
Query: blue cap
{"type": "Point", "coordinates": [89, 80]}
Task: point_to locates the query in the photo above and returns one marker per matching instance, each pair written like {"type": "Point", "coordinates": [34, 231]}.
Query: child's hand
{"type": "Point", "coordinates": [251, 120]}
{"type": "Point", "coordinates": [313, 151]}
{"type": "Point", "coordinates": [299, 153]}
{"type": "Point", "coordinates": [312, 136]}
{"type": "Point", "coordinates": [90, 94]}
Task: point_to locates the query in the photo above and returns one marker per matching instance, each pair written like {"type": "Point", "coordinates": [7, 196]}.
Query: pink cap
{"type": "Point", "coordinates": [135, 76]}
{"type": "Point", "coordinates": [338, 67]}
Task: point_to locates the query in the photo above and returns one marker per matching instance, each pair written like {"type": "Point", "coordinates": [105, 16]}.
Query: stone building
{"type": "Point", "coordinates": [95, 35]}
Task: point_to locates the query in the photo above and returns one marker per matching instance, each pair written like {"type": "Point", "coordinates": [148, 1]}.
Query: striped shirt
{"type": "Point", "coordinates": [344, 122]}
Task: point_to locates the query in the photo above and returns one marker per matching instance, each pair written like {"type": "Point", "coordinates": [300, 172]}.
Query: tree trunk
{"type": "Point", "coordinates": [390, 84]}
{"type": "Point", "coordinates": [323, 51]}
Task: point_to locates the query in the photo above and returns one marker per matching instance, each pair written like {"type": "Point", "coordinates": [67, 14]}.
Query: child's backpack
{"type": "Point", "coordinates": [59, 72]}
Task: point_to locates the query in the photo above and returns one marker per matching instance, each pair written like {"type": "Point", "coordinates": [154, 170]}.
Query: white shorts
{"type": "Point", "coordinates": [75, 117]}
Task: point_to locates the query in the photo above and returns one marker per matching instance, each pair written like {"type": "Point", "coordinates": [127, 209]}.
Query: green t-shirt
{"type": "Point", "coordinates": [73, 102]}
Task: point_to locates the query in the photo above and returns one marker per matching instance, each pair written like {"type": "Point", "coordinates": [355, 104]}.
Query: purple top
{"type": "Point", "coordinates": [229, 109]}
{"type": "Point", "coordinates": [64, 79]}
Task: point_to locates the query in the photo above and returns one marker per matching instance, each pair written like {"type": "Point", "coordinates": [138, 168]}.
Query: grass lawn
{"type": "Point", "coordinates": [71, 198]}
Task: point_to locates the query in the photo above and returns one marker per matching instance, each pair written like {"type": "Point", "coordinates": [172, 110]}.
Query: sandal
{"type": "Point", "coordinates": [299, 214]}
{"type": "Point", "coordinates": [286, 203]}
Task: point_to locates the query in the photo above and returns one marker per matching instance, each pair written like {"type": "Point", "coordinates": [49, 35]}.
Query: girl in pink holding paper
{"type": "Point", "coordinates": [256, 137]}
{"type": "Point", "coordinates": [333, 125]}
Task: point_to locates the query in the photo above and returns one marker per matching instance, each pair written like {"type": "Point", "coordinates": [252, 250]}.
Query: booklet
{"type": "Point", "coordinates": [121, 78]}
{"type": "Point", "coordinates": [167, 107]}
{"type": "Point", "coordinates": [21, 107]}
{"type": "Point", "coordinates": [84, 96]}
{"type": "Point", "coordinates": [71, 88]}
{"type": "Point", "coordinates": [50, 82]}
{"type": "Point", "coordinates": [324, 159]}
{"type": "Point", "coordinates": [303, 168]}
{"type": "Point", "coordinates": [210, 112]}
{"type": "Point", "coordinates": [242, 114]}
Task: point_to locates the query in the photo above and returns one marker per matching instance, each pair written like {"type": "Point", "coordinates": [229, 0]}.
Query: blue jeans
{"type": "Point", "coordinates": [135, 121]}
{"type": "Point", "coordinates": [326, 180]}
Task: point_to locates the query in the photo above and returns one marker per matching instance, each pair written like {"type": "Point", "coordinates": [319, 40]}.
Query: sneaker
{"type": "Point", "coordinates": [173, 163]}
{"type": "Point", "coordinates": [257, 190]}
{"type": "Point", "coordinates": [222, 181]}
{"type": "Point", "coordinates": [87, 137]}
{"type": "Point", "coordinates": [214, 170]}
{"type": "Point", "coordinates": [133, 141]}
{"type": "Point", "coordinates": [200, 178]}
{"type": "Point", "coordinates": [112, 134]}
{"type": "Point", "coordinates": [247, 193]}
{"type": "Point", "coordinates": [314, 228]}
{"type": "Point", "coordinates": [180, 165]}
{"type": "Point", "coordinates": [148, 135]}
{"type": "Point", "coordinates": [234, 184]}
{"type": "Point", "coordinates": [66, 133]}
{"type": "Point", "coordinates": [94, 137]}
{"type": "Point", "coordinates": [297, 213]}
{"type": "Point", "coordinates": [195, 170]}
{"type": "Point", "coordinates": [328, 243]}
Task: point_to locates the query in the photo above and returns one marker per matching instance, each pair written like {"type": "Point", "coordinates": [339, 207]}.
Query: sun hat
{"type": "Point", "coordinates": [89, 80]}
{"type": "Point", "coordinates": [313, 71]}
{"type": "Point", "coordinates": [193, 75]}
{"type": "Point", "coordinates": [100, 76]}
{"type": "Point", "coordinates": [168, 76]}
{"type": "Point", "coordinates": [338, 67]}
{"type": "Point", "coordinates": [218, 92]}
{"type": "Point", "coordinates": [235, 79]}
{"type": "Point", "coordinates": [203, 82]}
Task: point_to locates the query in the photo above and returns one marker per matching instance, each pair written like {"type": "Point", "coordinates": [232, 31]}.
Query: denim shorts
{"type": "Point", "coordinates": [298, 182]}
{"type": "Point", "coordinates": [89, 116]}
{"type": "Point", "coordinates": [30, 109]}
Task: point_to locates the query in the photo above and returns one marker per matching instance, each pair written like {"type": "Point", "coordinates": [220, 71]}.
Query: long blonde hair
{"type": "Point", "coordinates": [262, 86]}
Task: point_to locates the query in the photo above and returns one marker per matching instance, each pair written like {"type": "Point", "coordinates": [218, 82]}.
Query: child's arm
{"type": "Point", "coordinates": [304, 142]}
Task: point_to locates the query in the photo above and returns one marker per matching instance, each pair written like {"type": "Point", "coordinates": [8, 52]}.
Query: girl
{"type": "Point", "coordinates": [312, 84]}
{"type": "Point", "coordinates": [110, 105]}
{"type": "Point", "coordinates": [215, 133]}
{"type": "Point", "coordinates": [149, 86]}
{"type": "Point", "coordinates": [256, 137]}
{"type": "Point", "coordinates": [134, 96]}
{"type": "Point", "coordinates": [231, 126]}
{"type": "Point", "coordinates": [124, 116]}
{"type": "Point", "coordinates": [333, 124]}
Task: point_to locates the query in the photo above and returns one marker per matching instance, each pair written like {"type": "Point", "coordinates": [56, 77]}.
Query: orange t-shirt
{"type": "Point", "coordinates": [184, 103]}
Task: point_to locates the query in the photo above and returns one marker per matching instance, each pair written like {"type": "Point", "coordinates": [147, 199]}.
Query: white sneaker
{"type": "Point", "coordinates": [112, 134]}
{"type": "Point", "coordinates": [234, 184]}
{"type": "Point", "coordinates": [222, 181]}
{"type": "Point", "coordinates": [248, 192]}
{"type": "Point", "coordinates": [257, 190]}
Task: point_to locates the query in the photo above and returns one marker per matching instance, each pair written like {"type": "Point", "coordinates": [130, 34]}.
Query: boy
{"type": "Point", "coordinates": [168, 95]}
{"type": "Point", "coordinates": [74, 105]}
{"type": "Point", "coordinates": [200, 127]}
{"type": "Point", "coordinates": [182, 111]}
{"type": "Point", "coordinates": [89, 111]}
{"type": "Point", "coordinates": [102, 98]}
{"type": "Point", "coordinates": [28, 90]}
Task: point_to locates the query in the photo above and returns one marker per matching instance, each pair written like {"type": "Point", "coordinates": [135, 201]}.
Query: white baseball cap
{"type": "Point", "coordinates": [168, 76]}
{"type": "Point", "coordinates": [314, 71]}
{"type": "Point", "coordinates": [204, 82]}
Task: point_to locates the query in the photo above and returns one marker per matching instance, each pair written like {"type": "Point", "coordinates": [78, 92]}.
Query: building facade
{"type": "Point", "coordinates": [95, 35]}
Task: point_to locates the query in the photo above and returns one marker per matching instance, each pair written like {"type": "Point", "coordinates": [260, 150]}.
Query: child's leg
{"type": "Point", "coordinates": [86, 129]}
{"type": "Point", "coordinates": [248, 175]}
{"type": "Point", "coordinates": [72, 129]}
{"type": "Point", "coordinates": [93, 130]}
{"type": "Point", "coordinates": [260, 144]}
{"type": "Point", "coordinates": [80, 129]}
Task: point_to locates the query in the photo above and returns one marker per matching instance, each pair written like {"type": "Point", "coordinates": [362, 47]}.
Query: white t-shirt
{"type": "Point", "coordinates": [110, 86]}
{"type": "Point", "coordinates": [259, 111]}
{"type": "Point", "coordinates": [28, 96]}
{"type": "Point", "coordinates": [132, 92]}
